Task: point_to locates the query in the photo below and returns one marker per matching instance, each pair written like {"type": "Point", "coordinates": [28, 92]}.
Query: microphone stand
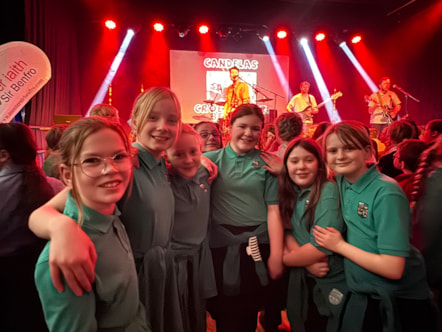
{"type": "Point", "coordinates": [257, 91]}
{"type": "Point", "coordinates": [407, 95]}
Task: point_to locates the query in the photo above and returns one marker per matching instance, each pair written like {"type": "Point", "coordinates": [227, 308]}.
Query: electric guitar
{"type": "Point", "coordinates": [387, 111]}
{"type": "Point", "coordinates": [308, 112]}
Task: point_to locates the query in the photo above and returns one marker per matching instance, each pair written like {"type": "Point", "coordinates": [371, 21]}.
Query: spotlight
{"type": "Point", "coordinates": [303, 41]}
{"type": "Point", "coordinates": [281, 34]}
{"type": "Point", "coordinates": [182, 31]}
{"type": "Point", "coordinates": [356, 39]}
{"type": "Point", "coordinates": [320, 36]}
{"type": "Point", "coordinates": [157, 26]}
{"type": "Point", "coordinates": [110, 24]}
{"type": "Point", "coordinates": [203, 29]}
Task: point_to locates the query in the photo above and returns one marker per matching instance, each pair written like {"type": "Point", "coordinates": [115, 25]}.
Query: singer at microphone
{"type": "Point", "coordinates": [236, 94]}
{"type": "Point", "coordinates": [384, 105]}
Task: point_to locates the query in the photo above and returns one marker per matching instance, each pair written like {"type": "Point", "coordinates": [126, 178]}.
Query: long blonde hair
{"type": "Point", "coordinates": [144, 104]}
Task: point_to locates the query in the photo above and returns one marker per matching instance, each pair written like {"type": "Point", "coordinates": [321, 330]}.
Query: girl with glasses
{"type": "Point", "coordinates": [96, 165]}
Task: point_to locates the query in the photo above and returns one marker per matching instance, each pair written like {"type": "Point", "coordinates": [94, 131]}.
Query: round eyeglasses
{"type": "Point", "coordinates": [95, 167]}
{"type": "Point", "coordinates": [204, 134]}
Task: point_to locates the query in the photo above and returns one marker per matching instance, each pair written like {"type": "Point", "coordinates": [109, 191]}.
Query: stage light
{"type": "Point", "coordinates": [203, 29]}
{"type": "Point", "coordinates": [110, 24]}
{"type": "Point", "coordinates": [157, 26]}
{"type": "Point", "coordinates": [265, 38]}
{"type": "Point", "coordinates": [182, 31]}
{"type": "Point", "coordinates": [99, 97]}
{"type": "Point", "coordinates": [320, 36]}
{"type": "Point", "coordinates": [303, 41]}
{"type": "Point", "coordinates": [323, 90]}
{"type": "Point", "coordinates": [356, 39]}
{"type": "Point", "coordinates": [281, 34]}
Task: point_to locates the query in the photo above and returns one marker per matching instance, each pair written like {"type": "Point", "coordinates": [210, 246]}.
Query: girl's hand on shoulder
{"type": "Point", "coordinates": [211, 168]}
{"type": "Point", "coordinates": [329, 238]}
{"type": "Point", "coordinates": [275, 266]}
{"type": "Point", "coordinates": [72, 254]}
{"type": "Point", "coordinates": [274, 163]}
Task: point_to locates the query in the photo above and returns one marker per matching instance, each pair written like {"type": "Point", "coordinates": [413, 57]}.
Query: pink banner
{"type": "Point", "coordinates": [24, 70]}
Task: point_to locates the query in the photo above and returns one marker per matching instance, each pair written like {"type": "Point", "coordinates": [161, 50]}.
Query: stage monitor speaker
{"type": "Point", "coordinates": [66, 118]}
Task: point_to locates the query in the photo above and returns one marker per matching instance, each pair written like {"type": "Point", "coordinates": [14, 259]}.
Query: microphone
{"type": "Point", "coordinates": [395, 86]}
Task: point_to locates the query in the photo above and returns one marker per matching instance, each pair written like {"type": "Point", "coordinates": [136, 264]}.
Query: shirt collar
{"type": "Point", "coordinates": [199, 178]}
{"type": "Point", "coordinates": [11, 168]}
{"type": "Point", "coordinates": [147, 158]}
{"type": "Point", "coordinates": [253, 153]}
{"type": "Point", "coordinates": [91, 218]}
{"type": "Point", "coordinates": [371, 174]}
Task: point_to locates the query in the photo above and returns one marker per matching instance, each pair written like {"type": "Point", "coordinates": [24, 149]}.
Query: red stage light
{"type": "Point", "coordinates": [110, 24]}
{"type": "Point", "coordinates": [158, 26]}
{"type": "Point", "coordinates": [203, 29]}
{"type": "Point", "coordinates": [281, 34]}
{"type": "Point", "coordinates": [320, 36]}
{"type": "Point", "coordinates": [356, 39]}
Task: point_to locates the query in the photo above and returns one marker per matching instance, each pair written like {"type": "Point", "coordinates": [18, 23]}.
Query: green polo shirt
{"type": "Point", "coordinates": [327, 214]}
{"type": "Point", "coordinates": [148, 211]}
{"type": "Point", "coordinates": [243, 188]}
{"type": "Point", "coordinates": [113, 302]}
{"type": "Point", "coordinates": [378, 220]}
{"type": "Point", "coordinates": [192, 206]}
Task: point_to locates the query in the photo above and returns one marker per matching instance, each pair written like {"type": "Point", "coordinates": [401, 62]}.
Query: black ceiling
{"type": "Point", "coordinates": [296, 14]}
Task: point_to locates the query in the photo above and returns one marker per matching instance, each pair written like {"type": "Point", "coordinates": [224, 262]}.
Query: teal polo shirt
{"type": "Point", "coordinates": [243, 188]}
{"type": "Point", "coordinates": [378, 220]}
{"type": "Point", "coordinates": [192, 207]}
{"type": "Point", "coordinates": [113, 303]}
{"type": "Point", "coordinates": [148, 209]}
{"type": "Point", "coordinates": [327, 214]}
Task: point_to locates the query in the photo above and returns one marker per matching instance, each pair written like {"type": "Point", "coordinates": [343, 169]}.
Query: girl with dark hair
{"type": "Point", "coordinates": [385, 275]}
{"type": "Point", "coordinates": [23, 188]}
{"type": "Point", "coordinates": [428, 213]}
{"type": "Point", "coordinates": [246, 232]}
{"type": "Point", "coordinates": [307, 198]}
{"type": "Point", "coordinates": [211, 136]}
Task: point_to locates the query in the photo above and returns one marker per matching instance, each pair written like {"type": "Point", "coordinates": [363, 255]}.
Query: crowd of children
{"type": "Point", "coordinates": [150, 236]}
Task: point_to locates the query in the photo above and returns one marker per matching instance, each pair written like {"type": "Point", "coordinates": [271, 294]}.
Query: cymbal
{"type": "Point", "coordinates": [208, 101]}
{"type": "Point", "coordinates": [220, 103]}
{"type": "Point", "coordinates": [201, 118]}
{"type": "Point", "coordinates": [263, 100]}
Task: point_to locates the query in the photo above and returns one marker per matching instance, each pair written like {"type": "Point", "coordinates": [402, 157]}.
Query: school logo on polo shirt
{"type": "Point", "coordinates": [362, 209]}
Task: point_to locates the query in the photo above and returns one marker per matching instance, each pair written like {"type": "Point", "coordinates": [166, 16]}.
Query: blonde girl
{"type": "Point", "coordinates": [147, 213]}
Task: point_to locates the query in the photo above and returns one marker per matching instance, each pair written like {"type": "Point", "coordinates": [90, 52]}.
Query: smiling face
{"type": "Point", "coordinates": [302, 167]}
{"type": "Point", "coordinates": [234, 75]}
{"type": "Point", "coordinates": [345, 159]}
{"type": "Point", "coordinates": [161, 128]}
{"type": "Point", "coordinates": [210, 136]}
{"type": "Point", "coordinates": [245, 132]}
{"type": "Point", "coordinates": [185, 155]}
{"type": "Point", "coordinates": [100, 193]}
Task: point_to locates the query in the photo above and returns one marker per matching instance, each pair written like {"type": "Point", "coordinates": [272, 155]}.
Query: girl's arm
{"type": "Point", "coordinates": [71, 251]}
{"type": "Point", "coordinates": [301, 255]}
{"type": "Point", "coordinates": [276, 234]}
{"type": "Point", "coordinates": [387, 266]}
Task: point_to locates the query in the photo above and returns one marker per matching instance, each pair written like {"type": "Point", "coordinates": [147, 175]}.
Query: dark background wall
{"type": "Point", "coordinates": [405, 45]}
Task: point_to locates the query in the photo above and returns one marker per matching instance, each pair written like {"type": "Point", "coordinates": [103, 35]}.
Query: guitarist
{"type": "Point", "coordinates": [304, 104]}
{"type": "Point", "coordinates": [383, 106]}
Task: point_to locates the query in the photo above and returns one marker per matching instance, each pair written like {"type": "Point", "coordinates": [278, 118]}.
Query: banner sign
{"type": "Point", "coordinates": [24, 70]}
